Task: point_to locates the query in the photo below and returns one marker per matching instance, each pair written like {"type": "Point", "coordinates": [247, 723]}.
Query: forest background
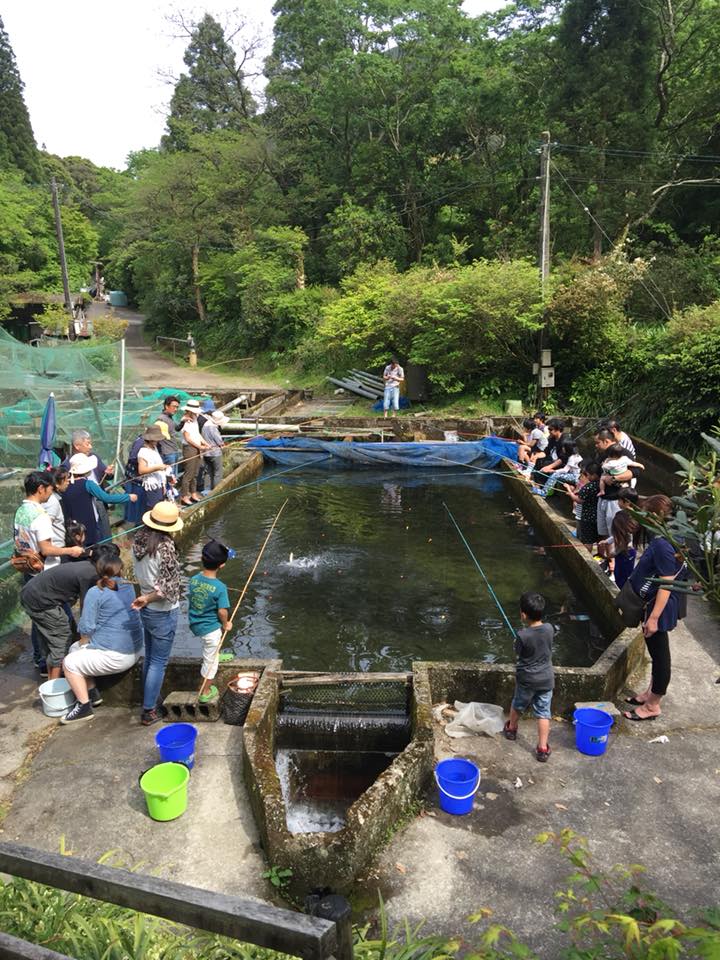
{"type": "Point", "coordinates": [382, 196]}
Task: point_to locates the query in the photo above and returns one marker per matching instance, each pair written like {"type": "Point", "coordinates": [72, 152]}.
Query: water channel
{"type": "Point", "coordinates": [365, 571]}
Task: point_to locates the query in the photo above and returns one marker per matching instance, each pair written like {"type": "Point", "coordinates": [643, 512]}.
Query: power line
{"type": "Point", "coordinates": [619, 152]}
{"type": "Point", "coordinates": [607, 236]}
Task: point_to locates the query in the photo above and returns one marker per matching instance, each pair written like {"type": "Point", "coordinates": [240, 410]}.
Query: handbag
{"type": "Point", "coordinates": [630, 605]}
{"type": "Point", "coordinates": [28, 561]}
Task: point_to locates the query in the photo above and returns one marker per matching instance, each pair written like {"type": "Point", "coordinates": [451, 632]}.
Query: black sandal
{"type": "Point", "coordinates": [634, 702]}
{"type": "Point", "coordinates": [632, 715]}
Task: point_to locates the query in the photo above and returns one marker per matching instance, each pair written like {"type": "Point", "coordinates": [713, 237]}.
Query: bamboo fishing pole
{"type": "Point", "coordinates": [242, 594]}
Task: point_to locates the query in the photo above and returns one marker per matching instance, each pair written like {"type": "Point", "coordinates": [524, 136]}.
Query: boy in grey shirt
{"type": "Point", "coordinates": [534, 677]}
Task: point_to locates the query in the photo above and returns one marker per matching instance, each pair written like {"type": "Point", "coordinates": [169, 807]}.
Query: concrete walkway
{"type": "Point", "coordinates": [153, 370]}
{"type": "Point", "coordinates": [650, 803]}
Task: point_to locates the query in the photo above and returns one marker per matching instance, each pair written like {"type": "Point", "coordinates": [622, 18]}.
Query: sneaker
{"type": "Point", "coordinates": [510, 733]}
{"type": "Point", "coordinates": [42, 668]}
{"type": "Point", "coordinates": [95, 697]}
{"type": "Point", "coordinates": [542, 755]}
{"type": "Point", "coordinates": [538, 491]}
{"type": "Point", "coordinates": [149, 717]}
{"type": "Point", "coordinates": [79, 713]}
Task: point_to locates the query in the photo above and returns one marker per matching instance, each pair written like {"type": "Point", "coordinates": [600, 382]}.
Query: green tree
{"type": "Point", "coordinates": [212, 95]}
{"type": "Point", "coordinates": [17, 141]}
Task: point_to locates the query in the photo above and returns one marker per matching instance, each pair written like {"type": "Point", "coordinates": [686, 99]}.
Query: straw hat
{"type": "Point", "coordinates": [163, 428]}
{"type": "Point", "coordinates": [154, 434]}
{"type": "Point", "coordinates": [81, 463]}
{"type": "Point", "coordinates": [164, 516]}
{"type": "Point", "coordinates": [192, 406]}
{"type": "Point", "coordinates": [219, 418]}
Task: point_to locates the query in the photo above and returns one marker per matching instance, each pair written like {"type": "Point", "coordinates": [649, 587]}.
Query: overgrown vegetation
{"type": "Point", "coordinates": [609, 914]}
{"type": "Point", "coordinates": [383, 197]}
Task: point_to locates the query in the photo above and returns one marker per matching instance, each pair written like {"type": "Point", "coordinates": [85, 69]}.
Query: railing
{"type": "Point", "coordinates": [248, 921]}
{"type": "Point", "coordinates": [187, 343]}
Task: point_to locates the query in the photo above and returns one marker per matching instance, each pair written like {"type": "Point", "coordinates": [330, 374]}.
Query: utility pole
{"type": "Point", "coordinates": [61, 248]}
{"type": "Point", "coordinates": [544, 246]}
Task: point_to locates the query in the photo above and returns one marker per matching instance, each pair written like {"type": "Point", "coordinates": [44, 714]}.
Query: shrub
{"type": "Point", "coordinates": [110, 327]}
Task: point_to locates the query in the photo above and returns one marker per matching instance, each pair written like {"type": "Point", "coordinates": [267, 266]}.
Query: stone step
{"type": "Point", "coordinates": [182, 706]}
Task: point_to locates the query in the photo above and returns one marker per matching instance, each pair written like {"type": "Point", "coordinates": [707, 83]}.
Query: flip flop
{"type": "Point", "coordinates": [631, 715]}
{"type": "Point", "coordinates": [634, 702]}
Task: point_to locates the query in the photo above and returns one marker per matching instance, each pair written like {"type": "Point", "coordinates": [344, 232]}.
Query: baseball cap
{"type": "Point", "coordinates": [216, 552]}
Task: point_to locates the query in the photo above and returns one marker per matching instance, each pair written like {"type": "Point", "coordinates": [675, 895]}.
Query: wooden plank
{"type": "Point", "coordinates": [326, 679]}
{"type": "Point", "coordinates": [246, 920]}
{"type": "Point", "coordinates": [11, 949]}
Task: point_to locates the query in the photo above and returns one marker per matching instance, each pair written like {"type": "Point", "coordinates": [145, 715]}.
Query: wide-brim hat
{"type": "Point", "coordinates": [219, 418]}
{"type": "Point", "coordinates": [192, 406]}
{"type": "Point", "coordinates": [154, 434]}
{"type": "Point", "coordinates": [163, 428]}
{"type": "Point", "coordinates": [164, 516]}
{"type": "Point", "coordinates": [81, 463]}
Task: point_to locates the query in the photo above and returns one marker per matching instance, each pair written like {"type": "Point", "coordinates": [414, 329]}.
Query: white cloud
{"type": "Point", "coordinates": [92, 70]}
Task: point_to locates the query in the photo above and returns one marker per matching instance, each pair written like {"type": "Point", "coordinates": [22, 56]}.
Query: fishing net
{"type": "Point", "coordinates": [387, 697]}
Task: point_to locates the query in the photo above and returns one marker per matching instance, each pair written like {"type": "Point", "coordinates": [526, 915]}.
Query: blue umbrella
{"type": "Point", "coordinates": [47, 435]}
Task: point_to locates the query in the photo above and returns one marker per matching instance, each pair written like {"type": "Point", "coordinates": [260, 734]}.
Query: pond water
{"type": "Point", "coordinates": [365, 571]}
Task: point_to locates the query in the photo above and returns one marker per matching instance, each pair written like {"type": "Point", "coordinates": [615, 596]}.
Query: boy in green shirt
{"type": "Point", "coordinates": [208, 607]}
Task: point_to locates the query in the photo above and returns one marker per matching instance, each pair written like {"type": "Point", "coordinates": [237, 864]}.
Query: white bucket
{"type": "Point", "coordinates": [56, 697]}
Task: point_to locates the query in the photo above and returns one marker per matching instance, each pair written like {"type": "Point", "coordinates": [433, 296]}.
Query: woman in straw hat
{"type": "Point", "coordinates": [80, 498]}
{"type": "Point", "coordinates": [152, 470]}
{"type": "Point", "coordinates": [158, 572]}
{"type": "Point", "coordinates": [193, 448]}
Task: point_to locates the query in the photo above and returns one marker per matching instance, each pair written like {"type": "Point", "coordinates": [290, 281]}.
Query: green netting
{"type": "Point", "coordinates": [85, 380]}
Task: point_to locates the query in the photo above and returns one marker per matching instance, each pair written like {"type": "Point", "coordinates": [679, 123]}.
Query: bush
{"type": "Point", "coordinates": [109, 327]}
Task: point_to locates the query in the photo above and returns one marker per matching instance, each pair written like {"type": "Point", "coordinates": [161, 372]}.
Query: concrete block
{"type": "Point", "coordinates": [182, 705]}
{"type": "Point", "coordinates": [605, 705]}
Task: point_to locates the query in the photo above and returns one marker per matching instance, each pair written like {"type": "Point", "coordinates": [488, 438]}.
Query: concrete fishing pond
{"type": "Point", "coordinates": [367, 572]}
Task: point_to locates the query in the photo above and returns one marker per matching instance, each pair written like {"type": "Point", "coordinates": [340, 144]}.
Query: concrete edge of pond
{"type": "Point", "coordinates": [332, 860]}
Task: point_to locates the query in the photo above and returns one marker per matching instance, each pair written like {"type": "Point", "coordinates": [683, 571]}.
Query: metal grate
{"type": "Point", "coordinates": [386, 697]}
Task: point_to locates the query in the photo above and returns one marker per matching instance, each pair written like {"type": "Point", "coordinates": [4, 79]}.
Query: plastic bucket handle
{"type": "Point", "coordinates": [465, 796]}
{"type": "Point", "coordinates": [163, 796]}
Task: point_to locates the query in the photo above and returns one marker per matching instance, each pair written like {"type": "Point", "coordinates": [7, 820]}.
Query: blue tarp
{"type": "Point", "coordinates": [290, 451]}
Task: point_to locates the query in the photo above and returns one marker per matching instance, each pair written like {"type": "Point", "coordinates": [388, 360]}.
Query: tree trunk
{"type": "Point", "coordinates": [200, 306]}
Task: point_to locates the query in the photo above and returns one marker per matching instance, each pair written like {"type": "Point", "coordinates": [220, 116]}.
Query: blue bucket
{"type": "Point", "coordinates": [176, 743]}
{"type": "Point", "coordinates": [592, 729]}
{"type": "Point", "coordinates": [458, 782]}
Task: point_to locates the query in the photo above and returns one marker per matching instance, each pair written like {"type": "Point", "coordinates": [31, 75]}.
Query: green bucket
{"type": "Point", "coordinates": [165, 789]}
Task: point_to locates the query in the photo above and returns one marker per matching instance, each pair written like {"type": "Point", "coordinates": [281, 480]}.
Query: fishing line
{"type": "Point", "coordinates": [216, 657]}
{"type": "Point", "coordinates": [481, 571]}
{"type": "Point", "coordinates": [222, 493]}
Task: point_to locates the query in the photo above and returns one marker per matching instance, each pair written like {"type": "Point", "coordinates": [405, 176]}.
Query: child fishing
{"type": "Point", "coordinates": [534, 676]}
{"type": "Point", "coordinates": [208, 612]}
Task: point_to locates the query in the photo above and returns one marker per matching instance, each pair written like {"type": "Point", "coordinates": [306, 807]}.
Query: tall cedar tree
{"type": "Point", "coordinates": [212, 95]}
{"type": "Point", "coordinates": [17, 142]}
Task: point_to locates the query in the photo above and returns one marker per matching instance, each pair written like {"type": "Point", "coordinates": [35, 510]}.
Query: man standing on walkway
{"type": "Point", "coordinates": [193, 449]}
{"type": "Point", "coordinates": [393, 375]}
{"type": "Point", "coordinates": [169, 448]}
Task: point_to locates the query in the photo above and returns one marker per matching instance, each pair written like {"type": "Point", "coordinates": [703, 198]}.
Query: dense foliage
{"type": "Point", "coordinates": [383, 196]}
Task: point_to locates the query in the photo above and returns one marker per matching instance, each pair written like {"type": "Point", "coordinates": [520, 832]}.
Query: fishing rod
{"type": "Point", "coordinates": [216, 656]}
{"type": "Point", "coordinates": [482, 572]}
{"type": "Point", "coordinates": [222, 493]}
{"type": "Point", "coordinates": [138, 477]}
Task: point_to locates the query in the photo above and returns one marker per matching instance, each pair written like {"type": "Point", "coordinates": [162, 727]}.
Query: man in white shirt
{"type": "Point", "coordinates": [393, 375]}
